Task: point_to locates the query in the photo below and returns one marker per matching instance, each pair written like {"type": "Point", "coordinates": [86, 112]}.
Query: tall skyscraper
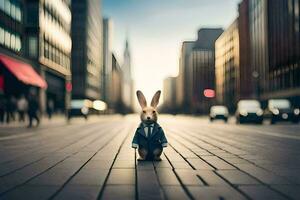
{"type": "Point", "coordinates": [202, 63]}
{"type": "Point", "coordinates": [116, 92]}
{"type": "Point", "coordinates": [107, 60]}
{"type": "Point", "coordinates": [169, 94]}
{"type": "Point", "coordinates": [227, 67]}
{"type": "Point", "coordinates": [183, 85]}
{"type": "Point", "coordinates": [87, 50]}
{"type": "Point", "coordinates": [127, 79]}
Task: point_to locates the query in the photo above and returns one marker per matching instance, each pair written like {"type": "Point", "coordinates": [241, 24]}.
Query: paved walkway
{"type": "Point", "coordinates": [93, 160]}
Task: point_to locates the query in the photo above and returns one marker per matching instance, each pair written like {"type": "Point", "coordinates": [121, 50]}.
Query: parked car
{"type": "Point", "coordinates": [79, 107]}
{"type": "Point", "coordinates": [282, 110]}
{"type": "Point", "coordinates": [218, 112]}
{"type": "Point", "coordinates": [249, 111]}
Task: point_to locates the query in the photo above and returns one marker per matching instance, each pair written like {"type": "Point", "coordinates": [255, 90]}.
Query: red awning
{"type": "Point", "coordinates": [23, 71]}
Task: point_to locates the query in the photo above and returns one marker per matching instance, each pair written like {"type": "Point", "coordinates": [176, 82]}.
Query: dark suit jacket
{"type": "Point", "coordinates": [157, 139]}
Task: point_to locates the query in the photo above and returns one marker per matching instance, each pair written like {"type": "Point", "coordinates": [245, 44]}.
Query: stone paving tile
{"type": "Point", "coordinates": [79, 192]}
{"type": "Point", "coordinates": [54, 177]}
{"type": "Point", "coordinates": [217, 162]}
{"type": "Point", "coordinates": [99, 164]}
{"type": "Point", "coordinates": [225, 155]}
{"type": "Point", "coordinates": [144, 165]}
{"type": "Point", "coordinates": [121, 177]}
{"type": "Point", "coordinates": [181, 165]}
{"type": "Point", "coordinates": [173, 156]}
{"type": "Point", "coordinates": [175, 193]}
{"type": "Point", "coordinates": [167, 177]}
{"type": "Point", "coordinates": [237, 177]}
{"type": "Point", "coordinates": [236, 160]}
{"type": "Point", "coordinates": [30, 192]}
{"type": "Point", "coordinates": [189, 177]}
{"type": "Point", "coordinates": [129, 164]}
{"type": "Point", "coordinates": [263, 175]}
{"type": "Point", "coordinates": [210, 178]}
{"type": "Point", "coordinates": [90, 177]}
{"type": "Point", "coordinates": [291, 174]}
{"type": "Point", "coordinates": [215, 193]}
{"type": "Point", "coordinates": [259, 192]}
{"type": "Point", "coordinates": [117, 192]}
{"type": "Point", "coordinates": [148, 185]}
{"type": "Point", "coordinates": [162, 164]}
{"type": "Point", "coordinates": [200, 164]}
{"type": "Point", "coordinates": [293, 191]}
{"type": "Point", "coordinates": [202, 153]}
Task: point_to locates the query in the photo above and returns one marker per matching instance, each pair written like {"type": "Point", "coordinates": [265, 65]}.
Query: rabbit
{"type": "Point", "coordinates": [149, 137]}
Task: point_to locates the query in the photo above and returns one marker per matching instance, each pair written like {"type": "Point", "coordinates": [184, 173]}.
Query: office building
{"type": "Point", "coordinates": [127, 94]}
{"type": "Point", "coordinates": [39, 32]}
{"type": "Point", "coordinates": [183, 83]}
{"type": "Point", "coordinates": [107, 60]}
{"type": "Point", "coordinates": [275, 48]}
{"type": "Point", "coordinates": [202, 64]}
{"type": "Point", "coordinates": [87, 50]}
{"type": "Point", "coordinates": [169, 94]}
{"type": "Point", "coordinates": [116, 102]}
{"type": "Point", "coordinates": [228, 79]}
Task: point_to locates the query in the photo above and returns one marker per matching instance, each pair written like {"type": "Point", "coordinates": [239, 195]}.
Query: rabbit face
{"type": "Point", "coordinates": [149, 113]}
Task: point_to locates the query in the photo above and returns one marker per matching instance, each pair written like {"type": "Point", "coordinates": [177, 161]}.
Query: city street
{"type": "Point", "coordinates": [94, 160]}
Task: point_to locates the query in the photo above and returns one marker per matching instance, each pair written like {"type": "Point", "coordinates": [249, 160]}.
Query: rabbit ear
{"type": "Point", "coordinates": [141, 98]}
{"type": "Point", "coordinates": [155, 99]}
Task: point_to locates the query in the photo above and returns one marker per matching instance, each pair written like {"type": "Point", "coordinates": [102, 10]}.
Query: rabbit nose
{"type": "Point", "coordinates": [148, 118]}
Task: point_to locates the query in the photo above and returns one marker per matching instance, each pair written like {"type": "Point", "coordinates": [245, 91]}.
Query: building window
{"type": "Point", "coordinates": [7, 7]}
{"type": "Point", "coordinates": [2, 36]}
{"type": "Point", "coordinates": [46, 50]}
{"type": "Point", "coordinates": [2, 6]}
{"type": "Point", "coordinates": [12, 41]}
{"type": "Point", "coordinates": [33, 46]}
{"type": "Point", "coordinates": [18, 14]}
{"type": "Point", "coordinates": [18, 43]}
{"type": "Point", "coordinates": [7, 39]}
{"type": "Point", "coordinates": [13, 11]}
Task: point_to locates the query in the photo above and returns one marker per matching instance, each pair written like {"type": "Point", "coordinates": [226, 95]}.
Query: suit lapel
{"type": "Point", "coordinates": [142, 131]}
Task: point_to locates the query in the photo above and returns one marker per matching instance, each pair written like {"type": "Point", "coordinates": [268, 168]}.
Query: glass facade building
{"type": "Point", "coordinates": [258, 28]}
{"type": "Point", "coordinates": [275, 47]}
{"type": "Point", "coordinates": [228, 67]}
{"type": "Point", "coordinates": [11, 25]}
{"type": "Point", "coordinates": [87, 51]}
{"type": "Point", "coordinates": [202, 64]}
{"type": "Point", "coordinates": [184, 79]}
{"type": "Point", "coordinates": [48, 43]}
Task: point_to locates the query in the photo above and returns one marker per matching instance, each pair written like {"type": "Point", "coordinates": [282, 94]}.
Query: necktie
{"type": "Point", "coordinates": [149, 131]}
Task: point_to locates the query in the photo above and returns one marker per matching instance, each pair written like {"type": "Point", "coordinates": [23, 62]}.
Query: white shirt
{"type": "Point", "coordinates": [146, 129]}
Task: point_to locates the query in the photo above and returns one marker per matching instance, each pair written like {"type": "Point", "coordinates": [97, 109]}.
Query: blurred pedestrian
{"type": "Point", "coordinates": [2, 107]}
{"type": "Point", "coordinates": [33, 108]}
{"type": "Point", "coordinates": [22, 105]}
{"type": "Point", "coordinates": [10, 109]}
{"type": "Point", "coordinates": [50, 108]}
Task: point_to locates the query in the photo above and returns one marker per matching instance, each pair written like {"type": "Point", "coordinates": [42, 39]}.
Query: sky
{"type": "Point", "coordinates": [156, 29]}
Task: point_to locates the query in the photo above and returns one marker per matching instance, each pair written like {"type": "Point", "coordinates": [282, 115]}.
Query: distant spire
{"type": "Point", "coordinates": [127, 59]}
{"type": "Point", "coordinates": [127, 50]}
{"type": "Point", "coordinates": [127, 43]}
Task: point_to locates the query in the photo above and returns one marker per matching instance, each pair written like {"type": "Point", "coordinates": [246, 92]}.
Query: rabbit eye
{"type": "Point", "coordinates": [144, 111]}
{"type": "Point", "coordinates": [153, 111]}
